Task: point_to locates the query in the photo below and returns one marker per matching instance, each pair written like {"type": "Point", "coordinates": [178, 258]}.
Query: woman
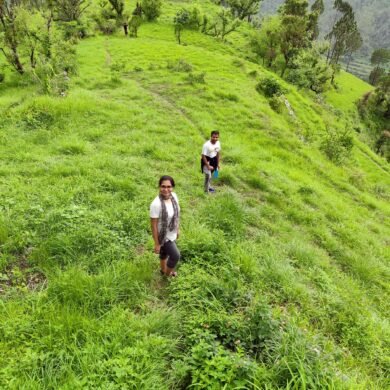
{"type": "Point", "coordinates": [164, 218]}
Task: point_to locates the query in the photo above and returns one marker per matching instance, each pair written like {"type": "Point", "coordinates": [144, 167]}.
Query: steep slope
{"type": "Point", "coordinates": [284, 278]}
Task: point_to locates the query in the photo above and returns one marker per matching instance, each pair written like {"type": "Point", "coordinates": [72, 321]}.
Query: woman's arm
{"type": "Point", "coordinates": [154, 226]}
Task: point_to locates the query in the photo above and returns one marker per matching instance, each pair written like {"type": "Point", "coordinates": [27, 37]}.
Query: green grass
{"type": "Point", "coordinates": [349, 90]}
{"type": "Point", "coordinates": [284, 279]}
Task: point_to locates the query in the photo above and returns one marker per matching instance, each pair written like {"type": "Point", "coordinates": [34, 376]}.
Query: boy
{"type": "Point", "coordinates": [210, 159]}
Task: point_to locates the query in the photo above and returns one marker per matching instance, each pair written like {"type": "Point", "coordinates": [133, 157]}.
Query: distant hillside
{"type": "Point", "coordinates": [372, 17]}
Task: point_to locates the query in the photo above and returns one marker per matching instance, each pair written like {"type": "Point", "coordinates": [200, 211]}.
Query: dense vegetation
{"type": "Point", "coordinates": [372, 17]}
{"type": "Point", "coordinates": [284, 279]}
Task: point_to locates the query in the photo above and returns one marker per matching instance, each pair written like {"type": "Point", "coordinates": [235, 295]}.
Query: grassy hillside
{"type": "Point", "coordinates": [284, 278]}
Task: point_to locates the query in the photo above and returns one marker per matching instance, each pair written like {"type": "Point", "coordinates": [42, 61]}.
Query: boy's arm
{"type": "Point", "coordinates": [209, 167]}
{"type": "Point", "coordinates": [218, 156]}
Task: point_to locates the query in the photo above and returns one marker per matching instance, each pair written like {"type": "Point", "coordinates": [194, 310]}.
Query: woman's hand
{"type": "Point", "coordinates": [157, 248]}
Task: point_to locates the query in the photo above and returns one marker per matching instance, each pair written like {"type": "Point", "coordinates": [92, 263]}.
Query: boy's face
{"type": "Point", "coordinates": [214, 138]}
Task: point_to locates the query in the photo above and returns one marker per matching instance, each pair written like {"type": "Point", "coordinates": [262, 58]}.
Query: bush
{"type": "Point", "coordinates": [276, 104]}
{"type": "Point", "coordinates": [337, 145]}
{"type": "Point", "coordinates": [106, 26]}
{"type": "Point", "coordinates": [74, 30]}
{"type": "Point", "coordinates": [213, 367]}
{"type": "Point", "coordinates": [37, 116]}
{"type": "Point", "coordinates": [151, 9]}
{"type": "Point", "coordinates": [2, 77]}
{"type": "Point", "coordinates": [269, 87]}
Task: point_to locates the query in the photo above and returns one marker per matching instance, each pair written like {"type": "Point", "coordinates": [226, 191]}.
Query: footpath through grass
{"type": "Point", "coordinates": [284, 279]}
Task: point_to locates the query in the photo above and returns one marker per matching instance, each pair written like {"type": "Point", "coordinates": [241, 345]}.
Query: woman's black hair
{"type": "Point", "coordinates": [163, 178]}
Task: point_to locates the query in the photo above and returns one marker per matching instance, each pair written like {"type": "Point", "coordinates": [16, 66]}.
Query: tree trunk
{"type": "Point", "coordinates": [32, 57]}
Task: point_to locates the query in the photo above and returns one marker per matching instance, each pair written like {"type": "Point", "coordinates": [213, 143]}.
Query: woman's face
{"type": "Point", "coordinates": [166, 188]}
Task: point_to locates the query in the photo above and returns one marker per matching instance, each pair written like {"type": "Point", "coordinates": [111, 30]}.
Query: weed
{"type": "Point", "coordinates": [180, 65]}
{"type": "Point", "coordinates": [196, 78]}
{"type": "Point", "coordinates": [252, 73]}
{"type": "Point", "coordinates": [227, 96]}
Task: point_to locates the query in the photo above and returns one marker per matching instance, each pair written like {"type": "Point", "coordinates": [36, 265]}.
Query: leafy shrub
{"type": "Point", "coordinates": [106, 26]}
{"type": "Point", "coordinates": [36, 116]}
{"type": "Point", "coordinates": [196, 78]}
{"type": "Point", "coordinates": [53, 75]}
{"type": "Point", "coordinates": [309, 70]}
{"type": "Point", "coordinates": [213, 367]}
{"type": "Point", "coordinates": [250, 329]}
{"type": "Point", "coordinates": [74, 30]}
{"type": "Point", "coordinates": [337, 145]}
{"type": "Point", "coordinates": [151, 9]}
{"type": "Point", "coordinates": [180, 65]}
{"type": "Point", "coordinates": [2, 76]}
{"type": "Point", "coordinates": [269, 87]}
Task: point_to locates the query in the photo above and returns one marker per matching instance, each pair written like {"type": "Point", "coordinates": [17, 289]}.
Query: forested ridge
{"type": "Point", "coordinates": [372, 17]}
{"type": "Point", "coordinates": [283, 281]}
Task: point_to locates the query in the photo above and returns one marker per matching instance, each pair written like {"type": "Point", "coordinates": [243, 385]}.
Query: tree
{"type": "Point", "coordinates": [309, 69]}
{"type": "Point", "coordinates": [244, 8]}
{"type": "Point", "coordinates": [344, 37]}
{"type": "Point", "coordinates": [118, 6]}
{"type": "Point", "coordinates": [135, 21]}
{"type": "Point", "coordinates": [382, 96]}
{"type": "Point", "coordinates": [31, 26]}
{"type": "Point", "coordinates": [374, 109]}
{"type": "Point", "coordinates": [266, 42]}
{"type": "Point", "coordinates": [151, 9]}
{"type": "Point", "coordinates": [70, 10]}
{"type": "Point", "coordinates": [186, 19]}
{"type": "Point", "coordinates": [9, 35]}
{"type": "Point", "coordinates": [379, 57]}
{"type": "Point", "coordinates": [293, 35]}
{"type": "Point", "coordinates": [353, 43]}
{"type": "Point", "coordinates": [317, 10]}
{"type": "Point", "coordinates": [225, 23]}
